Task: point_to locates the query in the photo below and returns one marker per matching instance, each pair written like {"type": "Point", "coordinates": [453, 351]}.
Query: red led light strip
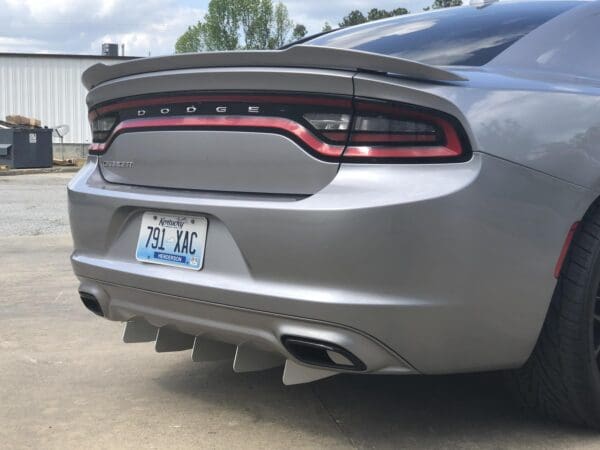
{"type": "Point", "coordinates": [276, 123]}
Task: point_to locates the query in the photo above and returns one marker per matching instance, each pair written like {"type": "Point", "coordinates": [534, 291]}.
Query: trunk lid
{"type": "Point", "coordinates": [271, 122]}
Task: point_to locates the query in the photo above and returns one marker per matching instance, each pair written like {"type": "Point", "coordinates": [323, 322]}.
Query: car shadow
{"type": "Point", "coordinates": [462, 411]}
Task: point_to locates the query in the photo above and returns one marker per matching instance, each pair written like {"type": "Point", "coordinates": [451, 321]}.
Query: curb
{"type": "Point", "coordinates": [4, 173]}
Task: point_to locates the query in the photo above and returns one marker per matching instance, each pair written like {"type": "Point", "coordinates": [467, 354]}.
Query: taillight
{"type": "Point", "coordinates": [387, 131]}
{"type": "Point", "coordinates": [102, 126]}
{"type": "Point", "coordinates": [332, 126]}
{"type": "Point", "coordinates": [319, 123]}
{"type": "Point", "coordinates": [329, 127]}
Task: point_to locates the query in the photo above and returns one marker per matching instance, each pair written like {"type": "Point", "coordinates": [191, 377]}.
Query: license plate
{"type": "Point", "coordinates": [169, 240]}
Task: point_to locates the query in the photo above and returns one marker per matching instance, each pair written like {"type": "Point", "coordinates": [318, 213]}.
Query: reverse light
{"type": "Point", "coordinates": [328, 121]}
{"type": "Point", "coordinates": [333, 127]}
{"type": "Point", "coordinates": [101, 127]}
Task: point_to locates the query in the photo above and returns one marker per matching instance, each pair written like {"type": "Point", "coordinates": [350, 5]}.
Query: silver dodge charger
{"type": "Point", "coordinates": [417, 195]}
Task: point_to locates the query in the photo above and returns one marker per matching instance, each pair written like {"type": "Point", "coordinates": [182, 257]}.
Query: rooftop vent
{"type": "Point", "coordinates": [110, 49]}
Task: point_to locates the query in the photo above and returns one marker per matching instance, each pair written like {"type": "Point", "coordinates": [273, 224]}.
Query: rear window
{"type": "Point", "coordinates": [465, 36]}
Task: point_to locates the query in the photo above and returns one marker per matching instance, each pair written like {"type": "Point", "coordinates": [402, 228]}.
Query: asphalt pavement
{"type": "Point", "coordinates": [67, 381]}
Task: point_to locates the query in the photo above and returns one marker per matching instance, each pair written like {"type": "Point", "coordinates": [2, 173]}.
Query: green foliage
{"type": "Point", "coordinates": [282, 26]}
{"type": "Point", "coordinates": [376, 14]}
{"type": "Point", "coordinates": [257, 21]}
{"type": "Point", "coordinates": [221, 25]}
{"type": "Point", "coordinates": [191, 40]}
{"type": "Point", "coordinates": [438, 4]}
{"type": "Point", "coordinates": [353, 18]}
{"type": "Point", "coordinates": [240, 24]}
{"type": "Point", "coordinates": [262, 24]}
{"type": "Point", "coordinates": [299, 32]}
{"type": "Point", "coordinates": [356, 17]}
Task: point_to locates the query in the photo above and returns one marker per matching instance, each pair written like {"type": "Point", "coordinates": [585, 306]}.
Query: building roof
{"type": "Point", "coordinates": [67, 55]}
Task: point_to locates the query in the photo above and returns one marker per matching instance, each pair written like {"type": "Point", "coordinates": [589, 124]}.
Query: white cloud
{"type": "Point", "coordinates": [314, 13]}
{"type": "Point", "coordinates": [81, 26]}
{"type": "Point", "coordinates": [8, 44]}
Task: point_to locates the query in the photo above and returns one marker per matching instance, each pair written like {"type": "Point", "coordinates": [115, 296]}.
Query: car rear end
{"type": "Point", "coordinates": [308, 208]}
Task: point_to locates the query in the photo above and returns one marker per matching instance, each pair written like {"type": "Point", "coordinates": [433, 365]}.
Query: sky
{"type": "Point", "coordinates": [144, 26]}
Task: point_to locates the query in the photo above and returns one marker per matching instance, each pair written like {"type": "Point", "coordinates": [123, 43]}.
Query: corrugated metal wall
{"type": "Point", "coordinates": [47, 88]}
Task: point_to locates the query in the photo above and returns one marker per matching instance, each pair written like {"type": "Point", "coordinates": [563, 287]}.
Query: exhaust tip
{"type": "Point", "coordinates": [91, 303]}
{"type": "Point", "coordinates": [322, 354]}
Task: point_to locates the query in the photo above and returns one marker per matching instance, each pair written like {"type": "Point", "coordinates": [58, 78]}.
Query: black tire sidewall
{"type": "Point", "coordinates": [591, 368]}
{"type": "Point", "coordinates": [580, 370]}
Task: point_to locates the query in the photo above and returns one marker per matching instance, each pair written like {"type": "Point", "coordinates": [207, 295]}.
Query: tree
{"type": "Point", "coordinates": [399, 12]}
{"type": "Point", "coordinates": [438, 4]}
{"type": "Point", "coordinates": [191, 40]}
{"type": "Point", "coordinates": [353, 18]}
{"type": "Point", "coordinates": [221, 25]}
{"type": "Point", "coordinates": [282, 26]}
{"type": "Point", "coordinates": [240, 24]}
{"type": "Point", "coordinates": [327, 27]}
{"type": "Point", "coordinates": [299, 32]}
{"type": "Point", "coordinates": [376, 14]}
{"type": "Point", "coordinates": [257, 21]}
{"type": "Point", "coordinates": [356, 17]}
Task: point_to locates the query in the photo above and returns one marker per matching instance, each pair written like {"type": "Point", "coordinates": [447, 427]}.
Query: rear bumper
{"type": "Point", "coordinates": [440, 268]}
{"type": "Point", "coordinates": [237, 326]}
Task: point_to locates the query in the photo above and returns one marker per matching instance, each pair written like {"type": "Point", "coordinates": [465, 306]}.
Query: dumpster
{"type": "Point", "coordinates": [23, 148]}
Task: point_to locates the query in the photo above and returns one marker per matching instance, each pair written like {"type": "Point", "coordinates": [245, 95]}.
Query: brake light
{"type": "Point", "coordinates": [401, 132]}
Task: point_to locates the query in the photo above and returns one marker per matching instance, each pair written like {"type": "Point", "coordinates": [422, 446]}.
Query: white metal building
{"type": "Point", "coordinates": [48, 87]}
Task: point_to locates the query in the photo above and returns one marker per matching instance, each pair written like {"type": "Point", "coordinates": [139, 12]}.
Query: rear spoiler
{"type": "Point", "coordinates": [300, 56]}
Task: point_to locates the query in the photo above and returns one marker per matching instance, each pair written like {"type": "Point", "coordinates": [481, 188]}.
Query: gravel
{"type": "Point", "coordinates": [34, 205]}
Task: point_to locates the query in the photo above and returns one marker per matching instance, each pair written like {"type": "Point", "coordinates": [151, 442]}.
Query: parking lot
{"type": "Point", "coordinates": [66, 380]}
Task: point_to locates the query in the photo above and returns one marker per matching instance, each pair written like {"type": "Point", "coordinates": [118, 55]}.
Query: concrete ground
{"type": "Point", "coordinates": [66, 381]}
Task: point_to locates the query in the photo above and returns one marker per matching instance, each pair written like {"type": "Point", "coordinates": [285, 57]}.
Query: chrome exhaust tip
{"type": "Point", "coordinates": [322, 354]}
{"type": "Point", "coordinates": [91, 303]}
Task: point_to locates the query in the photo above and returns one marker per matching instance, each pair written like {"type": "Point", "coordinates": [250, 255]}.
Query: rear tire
{"type": "Point", "coordinates": [562, 377]}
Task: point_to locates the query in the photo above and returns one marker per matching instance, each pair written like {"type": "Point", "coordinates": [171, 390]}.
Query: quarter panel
{"type": "Point", "coordinates": [547, 124]}
{"type": "Point", "coordinates": [553, 132]}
